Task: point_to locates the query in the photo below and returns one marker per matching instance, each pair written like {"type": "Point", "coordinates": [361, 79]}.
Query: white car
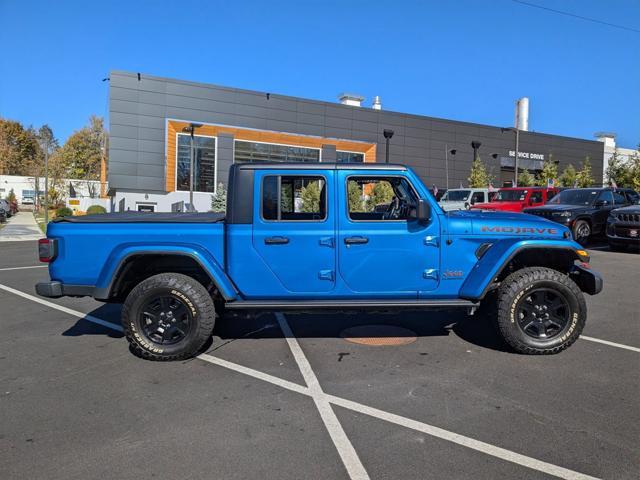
{"type": "Point", "coordinates": [463, 198]}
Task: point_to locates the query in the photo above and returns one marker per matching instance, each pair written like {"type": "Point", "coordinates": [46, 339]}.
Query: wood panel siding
{"type": "Point", "coordinates": [175, 127]}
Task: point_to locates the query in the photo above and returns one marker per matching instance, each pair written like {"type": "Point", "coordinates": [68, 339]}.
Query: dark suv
{"type": "Point", "coordinates": [623, 227]}
{"type": "Point", "coordinates": [584, 210]}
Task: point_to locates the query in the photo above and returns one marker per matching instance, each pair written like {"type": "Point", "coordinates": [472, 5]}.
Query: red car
{"type": "Point", "coordinates": [517, 198]}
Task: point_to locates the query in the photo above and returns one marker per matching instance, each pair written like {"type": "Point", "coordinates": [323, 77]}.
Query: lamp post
{"type": "Point", "coordinates": [446, 161]}
{"type": "Point", "coordinates": [45, 148]}
{"type": "Point", "coordinates": [387, 134]}
{"type": "Point", "coordinates": [517, 131]}
{"type": "Point", "coordinates": [191, 130]}
{"type": "Point", "coordinates": [475, 145]}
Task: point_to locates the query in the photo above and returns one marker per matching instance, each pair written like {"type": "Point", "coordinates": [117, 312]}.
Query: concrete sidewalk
{"type": "Point", "coordinates": [21, 227]}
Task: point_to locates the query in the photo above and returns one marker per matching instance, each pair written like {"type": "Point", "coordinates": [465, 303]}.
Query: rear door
{"type": "Point", "coordinates": [382, 250]}
{"type": "Point", "coordinates": [294, 228]}
{"type": "Point", "coordinates": [602, 211]}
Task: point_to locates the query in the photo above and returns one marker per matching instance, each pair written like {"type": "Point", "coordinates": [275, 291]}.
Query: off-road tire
{"type": "Point", "coordinates": [581, 224]}
{"type": "Point", "coordinates": [515, 287]}
{"type": "Point", "coordinates": [187, 290]}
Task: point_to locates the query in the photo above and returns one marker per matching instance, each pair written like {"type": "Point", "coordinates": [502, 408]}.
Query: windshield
{"type": "Point", "coordinates": [456, 195]}
{"type": "Point", "coordinates": [510, 196]}
{"type": "Point", "coordinates": [575, 197]}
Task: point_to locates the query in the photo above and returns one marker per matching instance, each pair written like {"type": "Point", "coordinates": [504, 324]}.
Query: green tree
{"type": "Point", "coordinates": [479, 177]}
{"type": "Point", "coordinates": [19, 150]}
{"type": "Point", "coordinates": [584, 177]}
{"type": "Point", "coordinates": [568, 177]}
{"type": "Point", "coordinates": [83, 151]}
{"type": "Point", "coordinates": [286, 197]}
{"type": "Point", "coordinates": [619, 171]}
{"type": "Point", "coordinates": [355, 197]}
{"type": "Point", "coordinates": [311, 197]}
{"type": "Point", "coordinates": [219, 199]}
{"type": "Point", "coordinates": [382, 193]}
{"type": "Point", "coordinates": [525, 179]}
{"type": "Point", "coordinates": [549, 172]}
{"type": "Point", "coordinates": [634, 170]}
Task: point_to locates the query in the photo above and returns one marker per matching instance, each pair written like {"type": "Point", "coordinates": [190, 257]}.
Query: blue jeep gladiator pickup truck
{"type": "Point", "coordinates": [321, 236]}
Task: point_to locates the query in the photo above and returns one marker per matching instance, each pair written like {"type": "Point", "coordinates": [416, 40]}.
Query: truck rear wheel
{"type": "Point", "coordinates": [169, 316]}
{"type": "Point", "coordinates": [540, 311]}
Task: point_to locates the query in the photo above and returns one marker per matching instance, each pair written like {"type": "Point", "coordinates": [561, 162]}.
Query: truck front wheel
{"type": "Point", "coordinates": [540, 311]}
{"type": "Point", "coordinates": [169, 316]}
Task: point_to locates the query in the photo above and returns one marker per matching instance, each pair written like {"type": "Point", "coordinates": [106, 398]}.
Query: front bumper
{"type": "Point", "coordinates": [588, 280]}
{"type": "Point", "coordinates": [55, 289]}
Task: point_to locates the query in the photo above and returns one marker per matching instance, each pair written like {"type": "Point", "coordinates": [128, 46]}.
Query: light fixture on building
{"type": "Point", "coordinates": [475, 145]}
{"type": "Point", "coordinates": [377, 104]}
{"type": "Point", "coordinates": [387, 134]}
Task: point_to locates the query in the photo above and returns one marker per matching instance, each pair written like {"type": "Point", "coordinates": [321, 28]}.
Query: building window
{"type": "Point", "coordinates": [294, 198]}
{"type": "Point", "coordinates": [269, 152]}
{"type": "Point", "coordinates": [349, 157]}
{"type": "Point", "coordinates": [204, 160]}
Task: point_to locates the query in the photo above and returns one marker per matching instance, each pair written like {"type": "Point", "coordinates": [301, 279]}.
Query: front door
{"type": "Point", "coordinates": [294, 228]}
{"type": "Point", "coordinates": [382, 249]}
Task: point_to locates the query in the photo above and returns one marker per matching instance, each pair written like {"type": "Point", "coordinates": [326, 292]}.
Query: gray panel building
{"type": "Point", "coordinates": [150, 150]}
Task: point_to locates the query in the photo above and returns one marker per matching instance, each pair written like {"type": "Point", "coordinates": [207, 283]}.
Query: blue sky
{"type": "Point", "coordinates": [459, 59]}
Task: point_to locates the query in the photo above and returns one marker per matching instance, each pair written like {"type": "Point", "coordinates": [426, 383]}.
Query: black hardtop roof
{"type": "Point", "coordinates": [318, 166]}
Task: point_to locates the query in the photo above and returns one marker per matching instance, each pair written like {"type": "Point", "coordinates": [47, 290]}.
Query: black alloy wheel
{"type": "Point", "coordinates": [543, 313]}
{"type": "Point", "coordinates": [165, 320]}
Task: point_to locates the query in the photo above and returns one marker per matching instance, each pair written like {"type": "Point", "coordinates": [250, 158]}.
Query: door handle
{"type": "Point", "coordinates": [356, 240]}
{"type": "Point", "coordinates": [276, 240]}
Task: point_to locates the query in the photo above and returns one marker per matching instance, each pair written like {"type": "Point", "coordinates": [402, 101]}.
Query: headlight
{"type": "Point", "coordinates": [562, 214]}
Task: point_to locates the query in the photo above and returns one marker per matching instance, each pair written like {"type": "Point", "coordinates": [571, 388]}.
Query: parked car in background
{"type": "Point", "coordinates": [27, 201]}
{"type": "Point", "coordinates": [623, 228]}
{"type": "Point", "coordinates": [6, 209]}
{"type": "Point", "coordinates": [463, 198]}
{"type": "Point", "coordinates": [584, 210]}
{"type": "Point", "coordinates": [3, 215]}
{"type": "Point", "coordinates": [515, 199]}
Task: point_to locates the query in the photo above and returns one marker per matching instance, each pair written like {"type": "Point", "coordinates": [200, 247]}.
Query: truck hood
{"type": "Point", "coordinates": [477, 222]}
{"type": "Point", "coordinates": [504, 206]}
{"type": "Point", "coordinates": [557, 208]}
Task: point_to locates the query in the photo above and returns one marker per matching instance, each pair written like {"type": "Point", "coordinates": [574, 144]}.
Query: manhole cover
{"type": "Point", "coordinates": [378, 335]}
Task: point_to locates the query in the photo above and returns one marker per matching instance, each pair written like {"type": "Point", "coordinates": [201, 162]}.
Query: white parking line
{"type": "Point", "coordinates": [348, 454]}
{"type": "Point", "coordinates": [75, 313]}
{"type": "Point", "coordinates": [611, 344]}
{"type": "Point", "coordinates": [22, 268]}
{"type": "Point", "coordinates": [443, 434]}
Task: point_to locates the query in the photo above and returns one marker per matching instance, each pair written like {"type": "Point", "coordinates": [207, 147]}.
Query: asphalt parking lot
{"type": "Point", "coordinates": [260, 403]}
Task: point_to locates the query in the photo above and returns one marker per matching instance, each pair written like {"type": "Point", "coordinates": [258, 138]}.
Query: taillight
{"type": "Point", "coordinates": [47, 249]}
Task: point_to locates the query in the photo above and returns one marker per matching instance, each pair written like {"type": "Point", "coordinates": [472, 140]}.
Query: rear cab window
{"type": "Point", "coordinates": [294, 198]}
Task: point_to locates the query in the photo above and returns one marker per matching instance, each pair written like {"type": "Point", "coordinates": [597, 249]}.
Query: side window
{"type": "Point", "coordinates": [618, 198]}
{"type": "Point", "coordinates": [632, 196]}
{"type": "Point", "coordinates": [477, 197]}
{"type": "Point", "coordinates": [606, 196]}
{"type": "Point", "coordinates": [380, 199]}
{"type": "Point", "coordinates": [536, 197]}
{"type": "Point", "coordinates": [294, 198]}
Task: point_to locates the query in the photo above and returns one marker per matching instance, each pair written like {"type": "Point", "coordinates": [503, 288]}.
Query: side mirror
{"type": "Point", "coordinates": [423, 211]}
{"type": "Point", "coordinates": [601, 203]}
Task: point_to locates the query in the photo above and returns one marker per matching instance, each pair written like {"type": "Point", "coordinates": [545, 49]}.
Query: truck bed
{"type": "Point", "coordinates": [144, 217]}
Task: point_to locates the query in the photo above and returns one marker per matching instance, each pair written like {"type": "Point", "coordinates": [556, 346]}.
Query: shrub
{"type": "Point", "coordinates": [64, 212]}
{"type": "Point", "coordinates": [95, 209]}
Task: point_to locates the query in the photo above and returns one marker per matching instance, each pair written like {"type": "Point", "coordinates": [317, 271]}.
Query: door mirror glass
{"type": "Point", "coordinates": [423, 211]}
